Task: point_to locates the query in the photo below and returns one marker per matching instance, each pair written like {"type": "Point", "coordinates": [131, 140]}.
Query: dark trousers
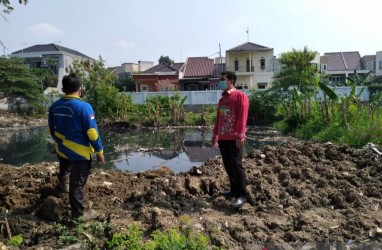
{"type": "Point", "coordinates": [79, 172]}
{"type": "Point", "coordinates": [232, 160]}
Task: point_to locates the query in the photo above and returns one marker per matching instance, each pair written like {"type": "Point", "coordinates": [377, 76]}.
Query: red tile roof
{"type": "Point", "coordinates": [199, 67]}
{"type": "Point", "coordinates": [177, 66]}
{"type": "Point", "coordinates": [162, 67]}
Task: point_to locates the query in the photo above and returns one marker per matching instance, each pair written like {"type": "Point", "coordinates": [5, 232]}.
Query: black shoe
{"type": "Point", "coordinates": [227, 193]}
{"type": "Point", "coordinates": [238, 202]}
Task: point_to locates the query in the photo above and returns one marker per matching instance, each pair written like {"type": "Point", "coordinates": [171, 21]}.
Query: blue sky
{"type": "Point", "coordinates": [128, 31]}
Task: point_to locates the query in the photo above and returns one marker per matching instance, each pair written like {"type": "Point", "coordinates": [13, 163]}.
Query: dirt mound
{"type": "Point", "coordinates": [300, 194]}
{"type": "Point", "coordinates": [13, 120]}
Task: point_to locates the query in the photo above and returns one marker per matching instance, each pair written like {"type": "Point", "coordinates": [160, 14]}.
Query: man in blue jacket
{"type": "Point", "coordinates": [73, 127]}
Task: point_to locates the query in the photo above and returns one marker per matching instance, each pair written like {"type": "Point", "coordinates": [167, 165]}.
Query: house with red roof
{"type": "Point", "coordinates": [200, 73]}
{"type": "Point", "coordinates": [161, 77]}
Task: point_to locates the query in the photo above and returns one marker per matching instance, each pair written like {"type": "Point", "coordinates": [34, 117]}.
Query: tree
{"type": "Point", "coordinates": [7, 7]}
{"type": "Point", "coordinates": [125, 83]}
{"type": "Point", "coordinates": [101, 92]}
{"type": "Point", "coordinates": [46, 77]}
{"type": "Point", "coordinates": [18, 83]}
{"type": "Point", "coordinates": [166, 60]}
{"type": "Point", "coordinates": [296, 83]}
{"type": "Point", "coordinates": [297, 70]}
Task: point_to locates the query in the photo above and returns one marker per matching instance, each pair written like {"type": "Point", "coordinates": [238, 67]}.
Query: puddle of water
{"type": "Point", "coordinates": [178, 149]}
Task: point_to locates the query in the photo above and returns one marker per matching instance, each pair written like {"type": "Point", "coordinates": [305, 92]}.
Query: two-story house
{"type": "Point", "coordinates": [38, 56]}
{"type": "Point", "coordinates": [373, 63]}
{"type": "Point", "coordinates": [254, 65]}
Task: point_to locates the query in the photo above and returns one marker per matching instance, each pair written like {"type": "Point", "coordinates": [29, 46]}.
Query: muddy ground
{"type": "Point", "coordinates": [301, 196]}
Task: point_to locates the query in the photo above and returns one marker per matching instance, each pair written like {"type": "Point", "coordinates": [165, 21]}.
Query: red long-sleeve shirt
{"type": "Point", "coordinates": [232, 114]}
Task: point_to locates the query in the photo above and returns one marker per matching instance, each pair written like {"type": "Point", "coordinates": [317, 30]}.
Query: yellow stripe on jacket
{"type": "Point", "coordinates": [84, 151]}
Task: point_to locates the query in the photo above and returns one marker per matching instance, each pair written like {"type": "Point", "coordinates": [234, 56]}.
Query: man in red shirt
{"type": "Point", "coordinates": [229, 136]}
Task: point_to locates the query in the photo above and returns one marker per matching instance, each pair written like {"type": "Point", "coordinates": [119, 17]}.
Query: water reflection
{"type": "Point", "coordinates": [178, 149]}
{"type": "Point", "coordinates": [137, 150]}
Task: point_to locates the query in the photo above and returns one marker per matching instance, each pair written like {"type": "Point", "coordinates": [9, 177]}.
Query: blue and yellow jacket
{"type": "Point", "coordinates": [73, 128]}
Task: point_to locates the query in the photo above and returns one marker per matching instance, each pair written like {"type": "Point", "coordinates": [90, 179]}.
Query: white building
{"type": "Point", "coordinates": [37, 56]}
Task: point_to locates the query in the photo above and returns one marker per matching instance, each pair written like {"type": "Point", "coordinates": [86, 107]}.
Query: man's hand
{"type": "Point", "coordinates": [100, 158]}
{"type": "Point", "coordinates": [214, 143]}
{"type": "Point", "coordinates": [240, 143]}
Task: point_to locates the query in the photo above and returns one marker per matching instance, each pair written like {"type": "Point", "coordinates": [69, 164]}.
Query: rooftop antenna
{"type": "Point", "coordinates": [24, 44]}
{"type": "Point", "coordinates": [248, 34]}
{"type": "Point", "coordinates": [220, 54]}
{"type": "Point", "coordinates": [59, 44]}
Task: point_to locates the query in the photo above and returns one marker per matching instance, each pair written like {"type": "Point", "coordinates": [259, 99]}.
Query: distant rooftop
{"type": "Point", "coordinates": [248, 47]}
{"type": "Point", "coordinates": [199, 67]}
{"type": "Point", "coordinates": [344, 60]}
{"type": "Point", "coordinates": [49, 48]}
{"type": "Point", "coordinates": [161, 67]}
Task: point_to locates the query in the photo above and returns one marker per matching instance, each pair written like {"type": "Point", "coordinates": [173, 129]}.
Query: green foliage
{"type": "Point", "coordinates": [101, 92]}
{"type": "Point", "coordinates": [7, 7]}
{"type": "Point", "coordinates": [181, 237]}
{"type": "Point", "coordinates": [67, 239]}
{"type": "Point", "coordinates": [16, 240]}
{"type": "Point", "coordinates": [166, 60]}
{"type": "Point", "coordinates": [125, 84]}
{"type": "Point", "coordinates": [131, 238]}
{"type": "Point", "coordinates": [20, 86]}
{"type": "Point", "coordinates": [46, 77]}
{"type": "Point", "coordinates": [263, 106]}
{"type": "Point", "coordinates": [165, 110]}
{"type": "Point", "coordinates": [297, 70]}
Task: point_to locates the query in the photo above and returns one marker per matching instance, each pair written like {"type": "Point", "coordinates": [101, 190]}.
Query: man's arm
{"type": "Point", "coordinates": [93, 134]}
{"type": "Point", "coordinates": [242, 109]}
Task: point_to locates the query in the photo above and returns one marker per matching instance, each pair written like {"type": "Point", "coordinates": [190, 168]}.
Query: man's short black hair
{"type": "Point", "coordinates": [70, 83]}
{"type": "Point", "coordinates": [231, 76]}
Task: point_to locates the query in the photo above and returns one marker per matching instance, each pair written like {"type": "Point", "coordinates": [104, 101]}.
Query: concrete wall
{"type": "Point", "coordinates": [212, 96]}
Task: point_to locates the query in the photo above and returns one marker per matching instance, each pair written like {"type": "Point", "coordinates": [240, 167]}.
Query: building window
{"type": "Point", "coordinates": [380, 65]}
{"type": "Point", "coordinates": [236, 65]}
{"type": "Point", "coordinates": [324, 67]}
{"type": "Point", "coordinates": [336, 79]}
{"type": "Point", "coordinates": [192, 87]}
{"type": "Point", "coordinates": [144, 88]}
{"type": "Point", "coordinates": [262, 85]}
{"type": "Point", "coordinates": [249, 63]}
{"type": "Point", "coordinates": [262, 63]}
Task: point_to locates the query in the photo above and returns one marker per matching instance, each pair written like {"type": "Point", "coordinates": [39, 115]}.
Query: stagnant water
{"type": "Point", "coordinates": [136, 150]}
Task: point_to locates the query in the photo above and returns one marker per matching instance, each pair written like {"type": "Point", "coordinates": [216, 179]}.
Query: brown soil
{"type": "Point", "coordinates": [301, 196]}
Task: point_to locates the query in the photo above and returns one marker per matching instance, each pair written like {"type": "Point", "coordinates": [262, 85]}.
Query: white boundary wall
{"type": "Point", "coordinates": [213, 96]}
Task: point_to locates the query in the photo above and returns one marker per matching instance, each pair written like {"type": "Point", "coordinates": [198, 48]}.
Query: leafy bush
{"type": "Point", "coordinates": [177, 237]}
{"type": "Point", "coordinates": [16, 240]}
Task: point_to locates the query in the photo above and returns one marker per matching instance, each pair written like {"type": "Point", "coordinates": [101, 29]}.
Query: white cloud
{"type": "Point", "coordinates": [44, 30]}
{"type": "Point", "coordinates": [124, 44]}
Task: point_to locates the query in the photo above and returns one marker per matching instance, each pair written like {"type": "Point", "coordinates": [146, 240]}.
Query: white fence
{"type": "Point", "coordinates": [213, 96]}
{"type": "Point", "coordinates": [193, 97]}
{"type": "Point", "coordinates": [201, 97]}
{"type": "Point", "coordinates": [362, 91]}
